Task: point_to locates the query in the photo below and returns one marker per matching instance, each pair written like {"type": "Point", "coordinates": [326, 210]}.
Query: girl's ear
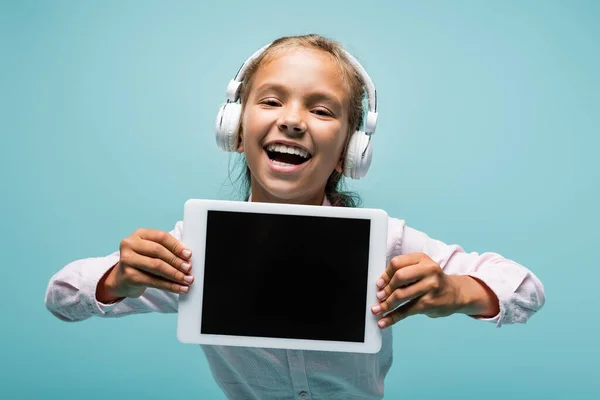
{"type": "Point", "coordinates": [240, 148]}
{"type": "Point", "coordinates": [240, 132]}
{"type": "Point", "coordinates": [340, 165]}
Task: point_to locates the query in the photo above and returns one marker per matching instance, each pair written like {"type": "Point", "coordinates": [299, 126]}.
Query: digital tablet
{"type": "Point", "coordinates": [282, 276]}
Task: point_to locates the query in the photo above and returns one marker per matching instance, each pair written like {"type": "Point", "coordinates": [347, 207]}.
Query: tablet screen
{"type": "Point", "coordinates": [285, 276]}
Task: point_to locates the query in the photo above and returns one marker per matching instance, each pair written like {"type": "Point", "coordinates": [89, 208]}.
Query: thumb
{"type": "Point", "coordinates": [407, 309]}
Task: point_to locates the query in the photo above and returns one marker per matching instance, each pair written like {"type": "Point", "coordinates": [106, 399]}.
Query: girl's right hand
{"type": "Point", "coordinates": [148, 258]}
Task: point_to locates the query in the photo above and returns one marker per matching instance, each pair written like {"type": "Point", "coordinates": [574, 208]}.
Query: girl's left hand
{"type": "Point", "coordinates": [419, 282]}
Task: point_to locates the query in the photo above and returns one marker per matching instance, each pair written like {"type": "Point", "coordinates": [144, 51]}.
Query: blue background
{"type": "Point", "coordinates": [487, 137]}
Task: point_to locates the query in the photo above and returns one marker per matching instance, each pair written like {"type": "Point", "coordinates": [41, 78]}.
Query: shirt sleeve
{"type": "Point", "coordinates": [519, 291]}
{"type": "Point", "coordinates": [71, 292]}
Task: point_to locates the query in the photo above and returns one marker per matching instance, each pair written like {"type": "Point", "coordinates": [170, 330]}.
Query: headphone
{"type": "Point", "coordinates": [359, 152]}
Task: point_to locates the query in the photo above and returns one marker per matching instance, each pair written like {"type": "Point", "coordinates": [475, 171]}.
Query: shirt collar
{"type": "Point", "coordinates": [326, 202]}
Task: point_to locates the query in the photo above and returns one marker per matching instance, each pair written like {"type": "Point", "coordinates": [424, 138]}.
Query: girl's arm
{"type": "Point", "coordinates": [519, 292]}
{"type": "Point", "coordinates": [71, 292]}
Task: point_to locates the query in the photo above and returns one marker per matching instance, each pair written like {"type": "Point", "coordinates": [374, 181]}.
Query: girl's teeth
{"type": "Point", "coordinates": [280, 148]}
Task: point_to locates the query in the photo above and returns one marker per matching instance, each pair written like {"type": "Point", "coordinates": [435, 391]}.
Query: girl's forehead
{"type": "Point", "coordinates": [302, 65]}
{"type": "Point", "coordinates": [302, 56]}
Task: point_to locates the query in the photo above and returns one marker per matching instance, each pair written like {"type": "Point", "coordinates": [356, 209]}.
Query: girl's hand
{"type": "Point", "coordinates": [419, 282]}
{"type": "Point", "coordinates": [148, 258]}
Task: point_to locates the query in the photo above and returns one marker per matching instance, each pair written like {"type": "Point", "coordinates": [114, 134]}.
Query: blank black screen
{"type": "Point", "coordinates": [285, 276]}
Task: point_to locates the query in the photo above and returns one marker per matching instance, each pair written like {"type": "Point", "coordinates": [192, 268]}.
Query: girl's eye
{"type": "Point", "coordinates": [323, 112]}
{"type": "Point", "coordinates": [270, 102]}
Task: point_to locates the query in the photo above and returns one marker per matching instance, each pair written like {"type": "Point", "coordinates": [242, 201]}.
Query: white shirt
{"type": "Point", "coordinates": [257, 373]}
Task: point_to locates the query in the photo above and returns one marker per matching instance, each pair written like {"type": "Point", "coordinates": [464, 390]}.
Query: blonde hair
{"type": "Point", "coordinates": [356, 93]}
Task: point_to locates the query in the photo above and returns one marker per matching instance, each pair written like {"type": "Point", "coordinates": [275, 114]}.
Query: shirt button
{"type": "Point", "coordinates": [303, 395]}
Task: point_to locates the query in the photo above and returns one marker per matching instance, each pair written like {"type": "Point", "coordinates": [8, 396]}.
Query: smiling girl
{"type": "Point", "coordinates": [300, 106]}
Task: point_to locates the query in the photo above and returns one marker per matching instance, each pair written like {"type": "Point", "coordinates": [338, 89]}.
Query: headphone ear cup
{"type": "Point", "coordinates": [227, 125]}
{"type": "Point", "coordinates": [358, 155]}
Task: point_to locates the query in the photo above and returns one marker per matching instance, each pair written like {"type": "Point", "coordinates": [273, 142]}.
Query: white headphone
{"type": "Point", "coordinates": [359, 153]}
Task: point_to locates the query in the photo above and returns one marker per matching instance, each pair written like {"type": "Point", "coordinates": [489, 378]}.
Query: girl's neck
{"type": "Point", "coordinates": [260, 195]}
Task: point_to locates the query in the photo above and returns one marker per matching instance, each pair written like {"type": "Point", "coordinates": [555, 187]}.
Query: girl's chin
{"type": "Point", "coordinates": [281, 191]}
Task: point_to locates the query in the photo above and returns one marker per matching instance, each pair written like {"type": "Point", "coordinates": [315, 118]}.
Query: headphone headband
{"type": "Point", "coordinates": [233, 89]}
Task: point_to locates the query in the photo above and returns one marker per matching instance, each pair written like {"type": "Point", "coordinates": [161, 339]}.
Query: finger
{"type": "Point", "coordinates": [143, 279]}
{"type": "Point", "coordinates": [400, 296]}
{"type": "Point", "coordinates": [158, 250]}
{"type": "Point", "coordinates": [397, 263]}
{"type": "Point", "coordinates": [413, 307]}
{"type": "Point", "coordinates": [168, 241]}
{"type": "Point", "coordinates": [156, 267]}
{"type": "Point", "coordinates": [402, 279]}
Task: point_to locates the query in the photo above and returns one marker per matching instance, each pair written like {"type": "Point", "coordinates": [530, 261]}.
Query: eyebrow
{"type": "Point", "coordinates": [313, 96]}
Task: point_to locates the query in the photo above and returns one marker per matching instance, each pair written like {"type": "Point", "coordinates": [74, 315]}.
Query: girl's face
{"type": "Point", "coordinates": [295, 126]}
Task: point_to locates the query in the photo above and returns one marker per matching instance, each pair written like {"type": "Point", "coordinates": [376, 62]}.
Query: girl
{"type": "Point", "coordinates": [301, 101]}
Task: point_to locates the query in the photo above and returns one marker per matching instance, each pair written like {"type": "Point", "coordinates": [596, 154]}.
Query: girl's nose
{"type": "Point", "coordinates": [291, 123]}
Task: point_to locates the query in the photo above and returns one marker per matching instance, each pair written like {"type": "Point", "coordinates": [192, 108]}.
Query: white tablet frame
{"type": "Point", "coordinates": [190, 304]}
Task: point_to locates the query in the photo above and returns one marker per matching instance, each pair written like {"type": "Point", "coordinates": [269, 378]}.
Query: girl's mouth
{"type": "Point", "coordinates": [285, 158]}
